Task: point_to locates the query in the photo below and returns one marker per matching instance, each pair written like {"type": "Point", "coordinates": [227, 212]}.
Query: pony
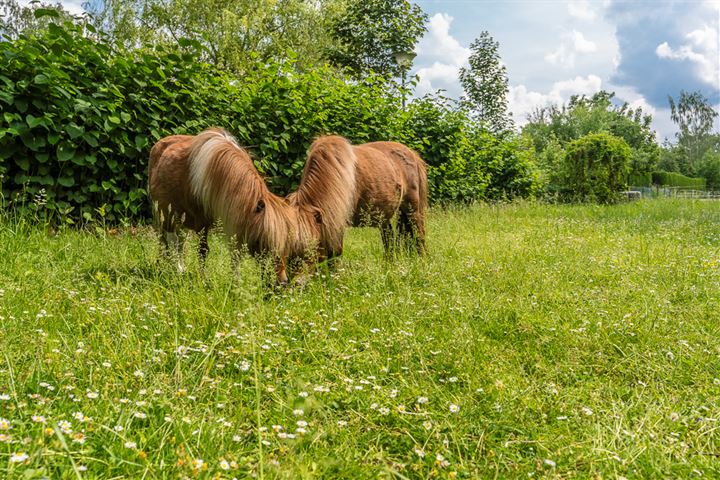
{"type": "Point", "coordinates": [196, 180]}
{"type": "Point", "coordinates": [391, 181]}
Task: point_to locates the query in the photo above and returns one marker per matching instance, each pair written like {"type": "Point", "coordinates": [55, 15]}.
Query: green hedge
{"type": "Point", "coordinates": [674, 179]}
{"type": "Point", "coordinates": [640, 179]}
{"type": "Point", "coordinates": [79, 118]}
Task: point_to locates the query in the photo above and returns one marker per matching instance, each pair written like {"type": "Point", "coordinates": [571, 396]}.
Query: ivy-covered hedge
{"type": "Point", "coordinates": [79, 118]}
{"type": "Point", "coordinates": [674, 179]}
{"type": "Point", "coordinates": [596, 167]}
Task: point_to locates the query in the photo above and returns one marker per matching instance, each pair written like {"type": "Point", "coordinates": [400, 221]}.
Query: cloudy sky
{"type": "Point", "coordinates": [643, 50]}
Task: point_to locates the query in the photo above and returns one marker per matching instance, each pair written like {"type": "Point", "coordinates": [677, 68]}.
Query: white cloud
{"type": "Point", "coordinates": [701, 50]}
{"type": "Point", "coordinates": [522, 101]}
{"type": "Point", "coordinates": [72, 6]}
{"type": "Point", "coordinates": [446, 54]}
{"type": "Point", "coordinates": [573, 43]}
{"type": "Point", "coordinates": [581, 10]}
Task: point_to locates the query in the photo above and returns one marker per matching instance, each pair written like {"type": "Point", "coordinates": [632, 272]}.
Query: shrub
{"type": "Point", "coordinates": [596, 167]}
{"type": "Point", "coordinates": [674, 179]}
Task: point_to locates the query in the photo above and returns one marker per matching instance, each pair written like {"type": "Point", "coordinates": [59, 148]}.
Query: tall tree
{"type": "Point", "coordinates": [371, 32]}
{"type": "Point", "coordinates": [16, 19]}
{"type": "Point", "coordinates": [486, 84]}
{"type": "Point", "coordinates": [695, 119]}
{"type": "Point", "coordinates": [237, 34]}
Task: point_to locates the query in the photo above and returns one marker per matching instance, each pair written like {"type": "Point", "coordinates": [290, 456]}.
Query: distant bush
{"type": "Point", "coordinates": [674, 179]}
{"type": "Point", "coordinates": [596, 167]}
{"type": "Point", "coordinates": [640, 179]}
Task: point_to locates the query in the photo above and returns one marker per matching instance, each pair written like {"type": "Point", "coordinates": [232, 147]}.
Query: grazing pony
{"type": "Point", "coordinates": [391, 181]}
{"type": "Point", "coordinates": [194, 181]}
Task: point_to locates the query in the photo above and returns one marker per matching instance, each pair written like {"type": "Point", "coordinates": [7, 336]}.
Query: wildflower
{"type": "Point", "coordinates": [5, 424]}
{"type": "Point", "coordinates": [38, 419]}
{"type": "Point", "coordinates": [440, 461]}
{"type": "Point", "coordinates": [107, 364]}
{"type": "Point", "coordinates": [130, 444]}
{"type": "Point", "coordinates": [198, 464]}
{"type": "Point", "coordinates": [303, 394]}
{"type": "Point", "coordinates": [674, 416]}
{"type": "Point", "coordinates": [236, 438]}
{"type": "Point", "coordinates": [586, 411]}
{"type": "Point", "coordinates": [79, 437]}
{"type": "Point", "coordinates": [454, 408]}
{"type": "Point", "coordinates": [4, 438]}
{"type": "Point", "coordinates": [4, 397]}
{"type": "Point", "coordinates": [18, 457]}
{"type": "Point", "coordinates": [422, 400]}
{"type": "Point", "coordinates": [118, 428]}
{"type": "Point", "coordinates": [224, 464]}
{"type": "Point", "coordinates": [92, 395]}
{"type": "Point", "coordinates": [384, 410]}
{"type": "Point", "coordinates": [65, 426]}
{"type": "Point", "coordinates": [244, 366]}
{"type": "Point", "coordinates": [342, 423]}
{"type": "Point", "coordinates": [139, 373]}
{"type": "Point", "coordinates": [427, 424]}
{"type": "Point", "coordinates": [139, 415]}
{"type": "Point", "coordinates": [419, 452]}
{"type": "Point", "coordinates": [549, 463]}
{"type": "Point", "coordinates": [277, 428]}
{"type": "Point", "coordinates": [302, 423]}
{"type": "Point", "coordinates": [401, 408]}
{"type": "Point", "coordinates": [298, 412]}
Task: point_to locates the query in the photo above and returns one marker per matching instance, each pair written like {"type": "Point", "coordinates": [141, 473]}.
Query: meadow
{"type": "Point", "coordinates": [533, 341]}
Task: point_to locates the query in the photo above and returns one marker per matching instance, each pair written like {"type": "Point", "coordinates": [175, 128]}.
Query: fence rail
{"type": "Point", "coordinates": [676, 192]}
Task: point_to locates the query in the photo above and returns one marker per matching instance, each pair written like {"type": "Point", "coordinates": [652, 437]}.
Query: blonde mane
{"type": "Point", "coordinates": [227, 184]}
{"type": "Point", "coordinates": [327, 188]}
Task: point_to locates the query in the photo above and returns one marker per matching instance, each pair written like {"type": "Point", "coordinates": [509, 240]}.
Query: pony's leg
{"type": "Point", "coordinates": [203, 248]}
{"type": "Point", "coordinates": [175, 242]}
{"type": "Point", "coordinates": [411, 226]}
{"type": "Point", "coordinates": [387, 232]}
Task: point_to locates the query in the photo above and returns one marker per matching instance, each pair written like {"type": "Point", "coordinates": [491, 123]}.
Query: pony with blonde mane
{"type": "Point", "coordinates": [391, 183]}
{"type": "Point", "coordinates": [194, 181]}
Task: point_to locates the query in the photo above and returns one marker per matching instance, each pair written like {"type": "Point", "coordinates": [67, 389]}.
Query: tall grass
{"type": "Point", "coordinates": [532, 341]}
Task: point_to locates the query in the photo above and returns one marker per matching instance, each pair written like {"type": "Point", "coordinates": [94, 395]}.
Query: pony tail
{"type": "Point", "coordinates": [422, 184]}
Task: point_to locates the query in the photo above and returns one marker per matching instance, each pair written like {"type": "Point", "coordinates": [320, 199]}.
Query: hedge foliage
{"type": "Point", "coordinates": [674, 179]}
{"type": "Point", "coordinates": [80, 116]}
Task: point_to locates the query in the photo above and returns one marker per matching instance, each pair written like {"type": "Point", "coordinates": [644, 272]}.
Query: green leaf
{"type": "Point", "coordinates": [74, 130]}
{"type": "Point", "coordinates": [41, 79]}
{"type": "Point", "coordinates": [125, 117]}
{"type": "Point", "coordinates": [34, 121]}
{"type": "Point", "coordinates": [46, 12]}
{"type": "Point", "coordinates": [66, 181]}
{"type": "Point", "coordinates": [65, 151]}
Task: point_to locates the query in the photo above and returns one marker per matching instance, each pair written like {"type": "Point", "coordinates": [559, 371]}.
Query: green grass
{"type": "Point", "coordinates": [576, 341]}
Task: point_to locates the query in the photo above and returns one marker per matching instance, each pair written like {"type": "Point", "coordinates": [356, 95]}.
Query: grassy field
{"type": "Point", "coordinates": [534, 341]}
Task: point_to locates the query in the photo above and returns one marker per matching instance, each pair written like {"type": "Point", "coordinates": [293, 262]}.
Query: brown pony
{"type": "Point", "coordinates": [194, 181]}
{"type": "Point", "coordinates": [391, 180]}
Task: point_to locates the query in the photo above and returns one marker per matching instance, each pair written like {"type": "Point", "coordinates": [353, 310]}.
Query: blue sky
{"type": "Point", "coordinates": [641, 50]}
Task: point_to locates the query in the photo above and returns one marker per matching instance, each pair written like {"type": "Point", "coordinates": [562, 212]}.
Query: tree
{"type": "Point", "coordinates": [486, 85]}
{"type": "Point", "coordinates": [695, 119]}
{"type": "Point", "coordinates": [596, 167]}
{"type": "Point", "coordinates": [371, 32]}
{"type": "Point", "coordinates": [585, 115]}
{"type": "Point", "coordinates": [237, 34]}
{"type": "Point", "coordinates": [16, 19]}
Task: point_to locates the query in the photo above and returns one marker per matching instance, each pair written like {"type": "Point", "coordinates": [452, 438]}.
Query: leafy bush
{"type": "Point", "coordinates": [674, 179]}
{"type": "Point", "coordinates": [79, 118]}
{"type": "Point", "coordinates": [596, 167]}
{"type": "Point", "coordinates": [640, 180]}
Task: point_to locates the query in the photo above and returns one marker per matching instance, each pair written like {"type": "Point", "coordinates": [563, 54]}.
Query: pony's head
{"type": "Point", "coordinates": [326, 195]}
